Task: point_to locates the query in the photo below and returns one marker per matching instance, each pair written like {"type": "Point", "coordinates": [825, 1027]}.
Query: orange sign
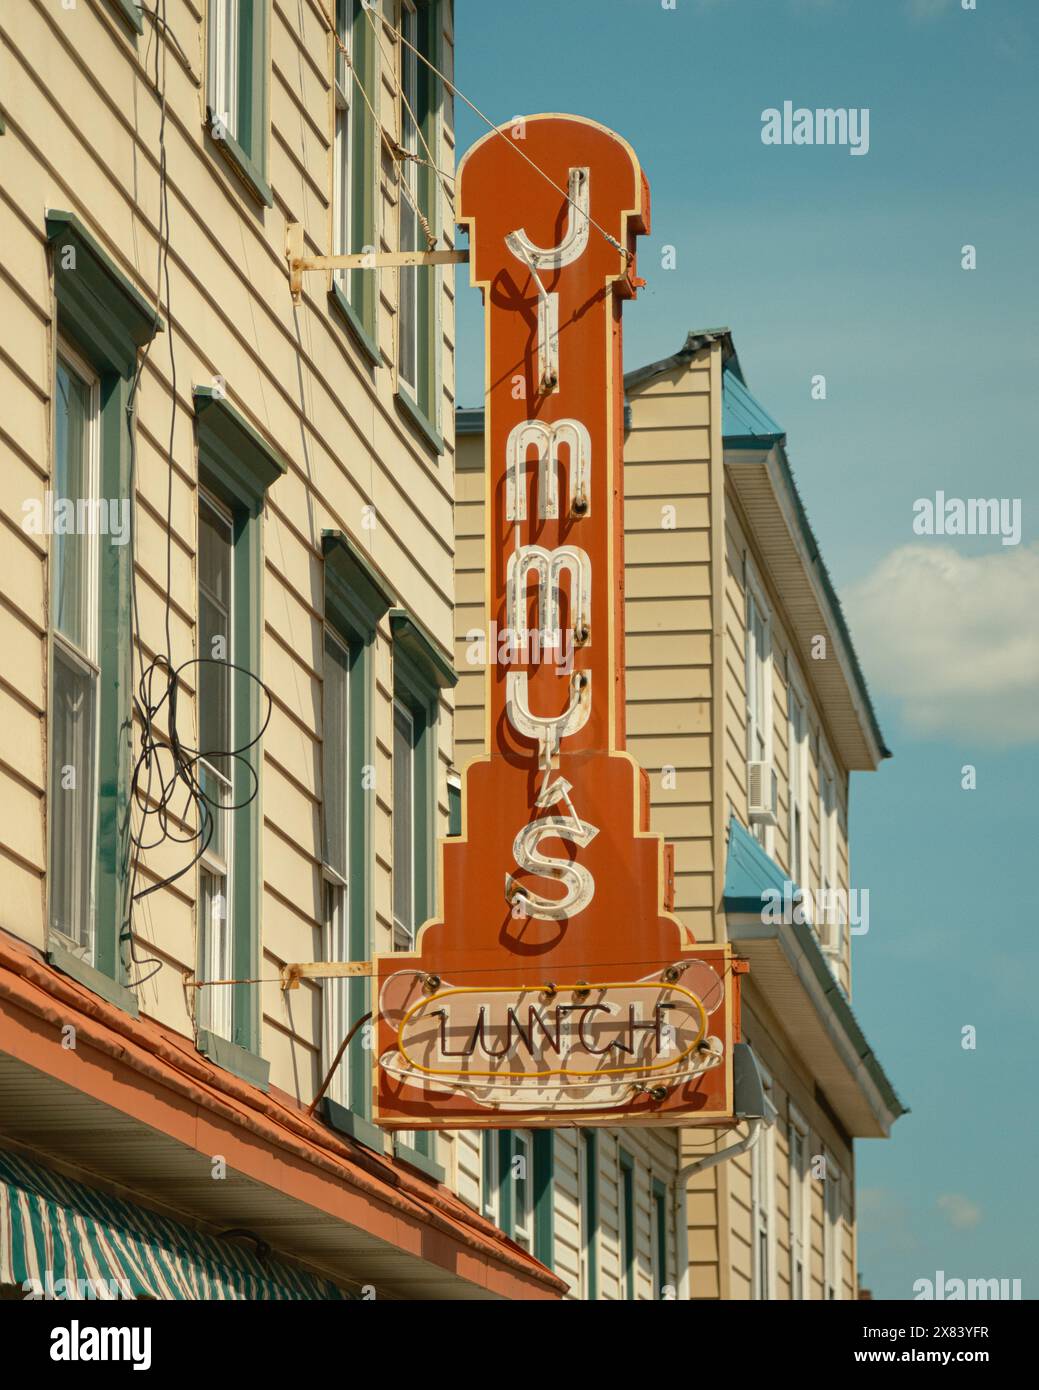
{"type": "Point", "coordinates": [555, 985]}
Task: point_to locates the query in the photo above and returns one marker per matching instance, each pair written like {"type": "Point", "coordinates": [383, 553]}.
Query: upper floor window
{"type": "Point", "coordinates": [588, 1206]}
{"type": "Point", "coordinates": [831, 912]}
{"type": "Point", "coordinates": [354, 192]}
{"type": "Point", "coordinates": [216, 735]}
{"type": "Point", "coordinates": [626, 1223]}
{"type": "Point", "coordinates": [522, 1189]}
{"type": "Point", "coordinates": [336, 782]}
{"type": "Point", "coordinates": [798, 778]}
{"type": "Point", "coordinates": [758, 675]}
{"type": "Point", "coordinates": [404, 828]}
{"type": "Point", "coordinates": [237, 86]}
{"type": "Point", "coordinates": [418, 366]}
{"type": "Point", "coordinates": [75, 668]}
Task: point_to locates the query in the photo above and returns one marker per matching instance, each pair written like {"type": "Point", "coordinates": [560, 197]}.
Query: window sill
{"type": "Point", "coordinates": [239, 1061]}
{"type": "Point", "coordinates": [242, 165]}
{"type": "Point", "coordinates": [108, 989]}
{"type": "Point", "coordinates": [421, 422]}
{"type": "Point", "coordinates": [429, 1166]}
{"type": "Point", "coordinates": [338, 1117]}
{"type": "Point", "coordinates": [131, 12]}
{"type": "Point", "coordinates": [365, 341]}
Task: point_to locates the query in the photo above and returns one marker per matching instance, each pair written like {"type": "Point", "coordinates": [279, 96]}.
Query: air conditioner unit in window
{"type": "Point", "coordinates": [762, 794]}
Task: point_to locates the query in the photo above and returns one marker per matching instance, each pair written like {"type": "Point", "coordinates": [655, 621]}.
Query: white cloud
{"type": "Point", "coordinates": [959, 1211]}
{"type": "Point", "coordinates": [955, 638]}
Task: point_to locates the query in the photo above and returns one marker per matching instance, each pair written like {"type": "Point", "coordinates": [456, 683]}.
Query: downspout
{"type": "Point", "coordinates": [702, 1165]}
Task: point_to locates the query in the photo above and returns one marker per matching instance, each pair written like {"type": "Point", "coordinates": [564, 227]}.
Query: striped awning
{"type": "Point", "coordinates": [74, 1241]}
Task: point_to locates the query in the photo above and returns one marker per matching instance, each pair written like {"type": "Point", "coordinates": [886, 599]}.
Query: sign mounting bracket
{"type": "Point", "coordinates": [360, 260]}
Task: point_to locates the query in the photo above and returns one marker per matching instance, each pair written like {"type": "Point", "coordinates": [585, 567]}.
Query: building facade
{"type": "Point", "coordinates": [747, 708]}
{"type": "Point", "coordinates": [226, 675]}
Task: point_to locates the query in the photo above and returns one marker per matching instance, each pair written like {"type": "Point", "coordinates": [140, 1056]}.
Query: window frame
{"type": "Point", "coordinates": [101, 315]}
{"type": "Point", "coordinates": [85, 659]}
{"type": "Point", "coordinates": [355, 601]}
{"type": "Point", "coordinates": [237, 466]}
{"type": "Point", "coordinates": [661, 1241]}
{"type": "Point", "coordinates": [800, 1181]}
{"type": "Point", "coordinates": [797, 789]}
{"type": "Point", "coordinates": [588, 1206]}
{"type": "Point", "coordinates": [355, 293]}
{"type": "Point", "coordinates": [759, 721]}
{"type": "Point", "coordinates": [215, 1006]}
{"type": "Point", "coordinates": [421, 400]}
{"type": "Point", "coordinates": [763, 1200]}
{"type": "Point", "coordinates": [245, 151]}
{"type": "Point", "coordinates": [831, 927]}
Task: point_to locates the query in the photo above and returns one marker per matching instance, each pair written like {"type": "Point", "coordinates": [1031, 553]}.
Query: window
{"type": "Point", "coordinates": [336, 781]}
{"type": "Point", "coordinates": [217, 735]}
{"type": "Point", "coordinates": [521, 1176]}
{"type": "Point", "coordinates": [763, 1201]}
{"type": "Point", "coordinates": [237, 87]}
{"type": "Point", "coordinates": [833, 1229]}
{"type": "Point", "coordinates": [588, 1181]}
{"type": "Point", "coordinates": [420, 670]}
{"type": "Point", "coordinates": [404, 741]}
{"type": "Point", "coordinates": [102, 322]}
{"type": "Point", "coordinates": [830, 914]}
{"type": "Point", "coordinates": [354, 162]}
{"type": "Point", "coordinates": [490, 1189]}
{"type": "Point", "coordinates": [355, 601]}
{"type": "Point", "coordinates": [800, 1193]}
{"type": "Point", "coordinates": [626, 1222]}
{"type": "Point", "coordinates": [418, 286]}
{"type": "Point", "coordinates": [661, 1287]}
{"type": "Point", "coordinates": [797, 754]}
{"type": "Point", "coordinates": [759, 688]}
{"type": "Point", "coordinates": [236, 466]}
{"type": "Point", "coordinates": [75, 672]}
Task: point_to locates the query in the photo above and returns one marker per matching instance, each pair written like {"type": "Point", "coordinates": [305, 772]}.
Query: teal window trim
{"type": "Point", "coordinates": [130, 10]}
{"type": "Point", "coordinates": [246, 152]}
{"type": "Point", "coordinates": [422, 408]}
{"type": "Point", "coordinates": [590, 1197]}
{"type": "Point", "coordinates": [101, 313]}
{"type": "Point", "coordinates": [237, 465]}
{"type": "Point", "coordinates": [541, 1185]}
{"type": "Point", "coordinates": [660, 1216]}
{"type": "Point", "coordinates": [543, 1189]}
{"type": "Point", "coordinates": [356, 600]}
{"type": "Point", "coordinates": [421, 669]}
{"type": "Point", "coordinates": [420, 1154]}
{"type": "Point", "coordinates": [358, 1127]}
{"type": "Point", "coordinates": [243, 1062]}
{"type": "Point", "coordinates": [358, 298]}
{"type": "Point", "coordinates": [627, 1217]}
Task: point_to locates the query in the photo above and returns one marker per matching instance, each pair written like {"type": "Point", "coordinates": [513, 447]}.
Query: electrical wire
{"type": "Point", "coordinates": [366, 5]}
{"type": "Point", "coordinates": [168, 769]}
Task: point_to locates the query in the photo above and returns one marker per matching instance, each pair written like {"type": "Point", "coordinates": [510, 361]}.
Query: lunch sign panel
{"type": "Point", "coordinates": [554, 985]}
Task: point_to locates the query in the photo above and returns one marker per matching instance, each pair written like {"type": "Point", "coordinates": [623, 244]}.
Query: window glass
{"type": "Point", "coordinates": [72, 556]}
{"type": "Point", "coordinates": [407, 344]}
{"type": "Point", "coordinates": [73, 759]}
{"type": "Point", "coordinates": [336, 753]}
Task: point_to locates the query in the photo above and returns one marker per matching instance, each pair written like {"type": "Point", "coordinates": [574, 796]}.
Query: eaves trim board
{"type": "Point", "coordinates": [143, 1072]}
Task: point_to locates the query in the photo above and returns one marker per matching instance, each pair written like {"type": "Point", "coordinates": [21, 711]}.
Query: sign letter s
{"type": "Point", "coordinates": [579, 884]}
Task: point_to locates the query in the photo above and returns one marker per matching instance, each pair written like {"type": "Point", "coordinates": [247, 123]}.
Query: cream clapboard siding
{"type": "Point", "coordinates": [82, 134]}
{"type": "Point", "coordinates": [655, 1153]}
{"type": "Point", "coordinates": [667, 555]}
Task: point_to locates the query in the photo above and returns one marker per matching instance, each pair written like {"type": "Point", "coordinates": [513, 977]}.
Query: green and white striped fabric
{"type": "Point", "coordinates": [73, 1241]}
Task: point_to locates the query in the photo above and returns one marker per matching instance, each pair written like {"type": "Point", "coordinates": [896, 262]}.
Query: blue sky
{"type": "Point", "coordinates": [824, 262]}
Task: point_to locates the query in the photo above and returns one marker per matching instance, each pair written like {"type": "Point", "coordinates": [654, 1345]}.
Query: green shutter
{"type": "Point", "coordinates": [544, 1192]}
{"type": "Point", "coordinates": [660, 1211]}
{"type": "Point", "coordinates": [590, 1197]}
{"type": "Point", "coordinates": [247, 152]}
{"type": "Point", "coordinates": [627, 1215]}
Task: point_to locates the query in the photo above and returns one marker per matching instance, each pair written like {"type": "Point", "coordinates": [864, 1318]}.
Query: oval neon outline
{"type": "Point", "coordinates": [557, 1071]}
